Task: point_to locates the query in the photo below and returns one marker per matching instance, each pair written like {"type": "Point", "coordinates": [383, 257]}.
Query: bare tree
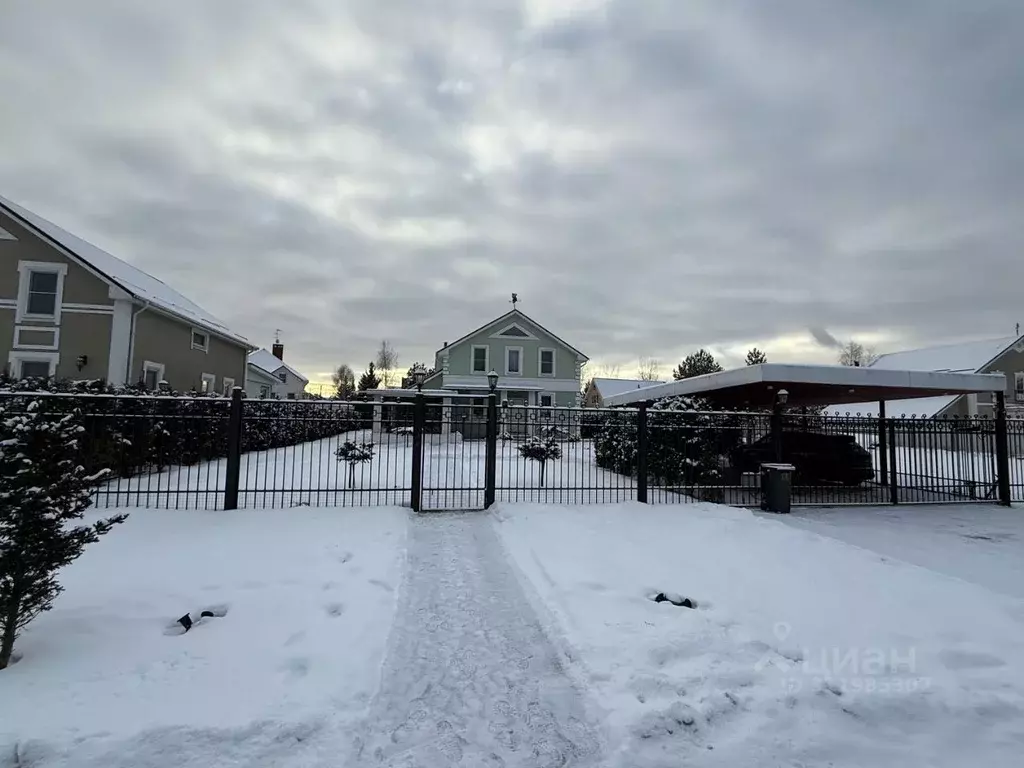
{"type": "Point", "coordinates": [856, 354]}
{"type": "Point", "coordinates": [387, 363]}
{"type": "Point", "coordinates": [344, 380]}
{"type": "Point", "coordinates": [647, 368]}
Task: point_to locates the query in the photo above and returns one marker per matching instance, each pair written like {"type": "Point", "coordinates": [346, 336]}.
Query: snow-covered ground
{"type": "Point", "coordinates": [309, 596]}
{"type": "Point", "coordinates": [803, 650]}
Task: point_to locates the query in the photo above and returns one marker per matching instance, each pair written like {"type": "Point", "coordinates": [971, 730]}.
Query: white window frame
{"type": "Point", "coordinates": [1018, 387]}
{"type": "Point", "coordinates": [54, 329]}
{"type": "Point", "coordinates": [209, 383]}
{"type": "Point", "coordinates": [158, 368]}
{"type": "Point", "coordinates": [542, 395]}
{"type": "Point", "coordinates": [520, 371]}
{"type": "Point", "coordinates": [487, 359]}
{"type": "Point", "coordinates": [227, 386]}
{"type": "Point", "coordinates": [540, 361]}
{"type": "Point", "coordinates": [503, 333]}
{"type": "Point", "coordinates": [200, 347]}
{"type": "Point", "coordinates": [25, 270]}
{"type": "Point", "coordinates": [17, 357]}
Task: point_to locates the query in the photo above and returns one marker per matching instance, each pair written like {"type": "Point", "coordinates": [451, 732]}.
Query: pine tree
{"type": "Point", "coordinates": [756, 357]}
{"type": "Point", "coordinates": [369, 379]}
{"type": "Point", "coordinates": [699, 363]}
{"type": "Point", "coordinates": [43, 488]}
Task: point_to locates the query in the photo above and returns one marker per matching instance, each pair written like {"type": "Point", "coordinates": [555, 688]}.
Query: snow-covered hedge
{"type": "Point", "coordinates": [685, 444]}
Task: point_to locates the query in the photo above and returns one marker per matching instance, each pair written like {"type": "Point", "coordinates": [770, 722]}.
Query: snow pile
{"type": "Point", "coordinates": [307, 598]}
{"type": "Point", "coordinates": [802, 650]}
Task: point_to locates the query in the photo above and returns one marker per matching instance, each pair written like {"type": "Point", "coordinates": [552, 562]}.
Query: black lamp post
{"type": "Point", "coordinates": [492, 380]}
{"type": "Point", "coordinates": [419, 375]}
{"type": "Point", "coordinates": [781, 398]}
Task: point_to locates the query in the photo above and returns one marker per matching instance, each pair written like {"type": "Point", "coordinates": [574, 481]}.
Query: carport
{"type": "Point", "coordinates": [782, 387]}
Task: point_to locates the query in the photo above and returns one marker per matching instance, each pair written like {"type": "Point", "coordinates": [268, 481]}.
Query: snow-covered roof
{"type": "Point", "coordinates": [964, 357]}
{"type": "Point", "coordinates": [121, 273]}
{"type": "Point", "coordinates": [612, 387]}
{"type": "Point", "coordinates": [266, 361]}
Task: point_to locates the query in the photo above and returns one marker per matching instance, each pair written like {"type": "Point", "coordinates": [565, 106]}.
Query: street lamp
{"type": "Point", "coordinates": [492, 380]}
{"type": "Point", "coordinates": [419, 375]}
{"type": "Point", "coordinates": [783, 396]}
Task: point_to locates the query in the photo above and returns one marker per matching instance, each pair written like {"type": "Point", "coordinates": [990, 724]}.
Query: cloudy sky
{"type": "Point", "coordinates": [651, 176]}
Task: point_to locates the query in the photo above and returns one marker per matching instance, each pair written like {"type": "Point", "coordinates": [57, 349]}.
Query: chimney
{"type": "Point", "coordinates": [278, 350]}
{"type": "Point", "coordinates": [446, 345]}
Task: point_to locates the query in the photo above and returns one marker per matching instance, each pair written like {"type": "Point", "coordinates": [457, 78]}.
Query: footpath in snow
{"type": "Point", "coordinates": [470, 677]}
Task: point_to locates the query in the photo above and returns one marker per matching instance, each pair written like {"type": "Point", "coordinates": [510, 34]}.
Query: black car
{"type": "Point", "coordinates": [816, 456]}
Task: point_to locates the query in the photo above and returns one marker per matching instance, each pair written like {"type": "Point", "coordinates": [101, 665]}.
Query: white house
{"type": "Point", "coordinates": [269, 370]}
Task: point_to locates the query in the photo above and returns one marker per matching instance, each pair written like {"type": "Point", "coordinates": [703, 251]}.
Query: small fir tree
{"type": "Point", "coordinates": [43, 489]}
{"type": "Point", "coordinates": [756, 357]}
{"type": "Point", "coordinates": [541, 450]}
{"type": "Point", "coordinates": [699, 363]}
{"type": "Point", "coordinates": [354, 454]}
{"type": "Point", "coordinates": [369, 379]}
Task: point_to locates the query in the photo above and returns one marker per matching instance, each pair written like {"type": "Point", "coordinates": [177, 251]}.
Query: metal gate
{"type": "Point", "coordinates": [450, 450]}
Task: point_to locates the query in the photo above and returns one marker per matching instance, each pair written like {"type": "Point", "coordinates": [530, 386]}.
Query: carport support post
{"type": "Point", "coordinates": [491, 456]}
{"type": "Point", "coordinates": [234, 459]}
{"type": "Point", "coordinates": [883, 447]}
{"type": "Point", "coordinates": [641, 454]}
{"type": "Point", "coordinates": [1002, 451]}
{"type": "Point", "coordinates": [417, 452]}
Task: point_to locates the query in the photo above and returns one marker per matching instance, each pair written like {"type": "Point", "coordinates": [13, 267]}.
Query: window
{"type": "Point", "coordinates": [264, 391]}
{"type": "Point", "coordinates": [481, 361]}
{"type": "Point", "coordinates": [33, 365]}
{"type": "Point", "coordinates": [40, 290]}
{"type": "Point", "coordinates": [209, 383]}
{"type": "Point", "coordinates": [200, 340]}
{"type": "Point", "coordinates": [547, 400]}
{"type": "Point", "coordinates": [283, 376]}
{"type": "Point", "coordinates": [35, 369]}
{"type": "Point", "coordinates": [514, 361]}
{"type": "Point", "coordinates": [291, 395]}
{"type": "Point", "coordinates": [152, 375]}
{"type": "Point", "coordinates": [229, 384]}
{"type": "Point", "coordinates": [546, 363]}
{"type": "Point", "coordinates": [1018, 386]}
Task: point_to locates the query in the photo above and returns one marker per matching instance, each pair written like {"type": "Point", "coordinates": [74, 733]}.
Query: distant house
{"type": "Point", "coordinates": [268, 375]}
{"type": "Point", "coordinates": [1004, 354]}
{"type": "Point", "coordinates": [534, 366]}
{"type": "Point", "coordinates": [598, 389]}
{"type": "Point", "coordinates": [70, 310]}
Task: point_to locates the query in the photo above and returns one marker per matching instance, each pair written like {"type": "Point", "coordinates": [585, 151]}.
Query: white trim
{"type": "Point", "coordinates": [120, 342]}
{"type": "Point", "coordinates": [16, 357]}
{"type": "Point", "coordinates": [487, 359]}
{"type": "Point", "coordinates": [513, 382]}
{"type": "Point", "coordinates": [5, 235]}
{"type": "Point", "coordinates": [200, 347]}
{"type": "Point", "coordinates": [158, 368]}
{"type": "Point", "coordinates": [25, 270]}
{"type": "Point", "coordinates": [8, 303]}
{"type": "Point", "coordinates": [502, 335]}
{"type": "Point", "coordinates": [540, 358]}
{"type": "Point", "coordinates": [209, 384]}
{"type": "Point", "coordinates": [98, 307]}
{"type": "Point", "coordinates": [510, 372]}
{"type": "Point", "coordinates": [75, 311]}
{"type": "Point", "coordinates": [54, 329]}
{"type": "Point", "coordinates": [227, 385]}
{"type": "Point", "coordinates": [542, 395]}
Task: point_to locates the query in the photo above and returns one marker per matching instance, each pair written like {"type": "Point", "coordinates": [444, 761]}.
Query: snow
{"type": "Point", "coordinates": [267, 361]}
{"type": "Point", "coordinates": [129, 277]}
{"type": "Point", "coordinates": [923, 407]}
{"type": "Point", "coordinates": [612, 387]}
{"type": "Point", "coordinates": [309, 597]}
{"type": "Point", "coordinates": [804, 650]}
{"type": "Point", "coordinates": [963, 357]}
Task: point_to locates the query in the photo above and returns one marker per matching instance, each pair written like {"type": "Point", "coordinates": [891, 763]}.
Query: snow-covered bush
{"type": "Point", "coordinates": [542, 451]}
{"type": "Point", "coordinates": [354, 454]}
{"type": "Point", "coordinates": [44, 488]}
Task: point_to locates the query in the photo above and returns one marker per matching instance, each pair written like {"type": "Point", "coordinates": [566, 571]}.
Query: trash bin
{"type": "Point", "coordinates": [776, 487]}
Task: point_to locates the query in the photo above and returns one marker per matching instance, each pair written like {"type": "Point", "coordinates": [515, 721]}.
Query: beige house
{"type": "Point", "coordinates": [70, 310]}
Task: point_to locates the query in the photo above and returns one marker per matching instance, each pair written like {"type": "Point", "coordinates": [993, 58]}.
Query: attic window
{"type": "Point", "coordinates": [515, 331]}
{"type": "Point", "coordinates": [200, 340]}
{"type": "Point", "coordinates": [5, 235]}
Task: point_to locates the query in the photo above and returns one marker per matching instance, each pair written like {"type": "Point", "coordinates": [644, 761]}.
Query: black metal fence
{"type": "Point", "coordinates": [202, 452]}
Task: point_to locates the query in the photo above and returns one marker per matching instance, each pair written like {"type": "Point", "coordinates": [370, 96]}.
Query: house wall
{"type": "Point", "coordinates": [256, 380]}
{"type": "Point", "coordinates": [162, 339]}
{"type": "Point", "coordinates": [292, 388]}
{"type": "Point", "coordinates": [1009, 363]}
{"type": "Point", "coordinates": [460, 355]}
{"type": "Point", "coordinates": [84, 322]}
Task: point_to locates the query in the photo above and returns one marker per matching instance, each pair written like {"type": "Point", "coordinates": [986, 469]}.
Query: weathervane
{"type": "Point", "coordinates": [515, 300]}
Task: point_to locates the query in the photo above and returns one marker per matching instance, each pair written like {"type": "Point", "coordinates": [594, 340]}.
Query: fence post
{"type": "Point", "coordinates": [234, 461]}
{"type": "Point", "coordinates": [883, 444]}
{"type": "Point", "coordinates": [491, 456]}
{"type": "Point", "coordinates": [417, 452]}
{"type": "Point", "coordinates": [641, 454]}
{"type": "Point", "coordinates": [1002, 451]}
{"type": "Point", "coordinates": [894, 494]}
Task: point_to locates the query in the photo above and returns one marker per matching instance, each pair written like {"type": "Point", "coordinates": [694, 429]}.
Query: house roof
{"type": "Point", "coordinates": [510, 317]}
{"type": "Point", "coordinates": [122, 274]}
{"type": "Point", "coordinates": [266, 361]}
{"type": "Point", "coordinates": [612, 387]}
{"type": "Point", "coordinates": [963, 357]}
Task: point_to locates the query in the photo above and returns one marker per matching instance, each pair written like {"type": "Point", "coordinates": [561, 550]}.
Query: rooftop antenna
{"type": "Point", "coordinates": [277, 335]}
{"type": "Point", "coordinates": [1018, 329]}
{"type": "Point", "coordinates": [515, 300]}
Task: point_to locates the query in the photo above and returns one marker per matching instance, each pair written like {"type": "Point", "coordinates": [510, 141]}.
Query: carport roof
{"type": "Point", "coordinates": [755, 386]}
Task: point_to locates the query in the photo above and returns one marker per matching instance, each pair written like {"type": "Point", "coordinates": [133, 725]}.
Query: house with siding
{"type": "Point", "coordinates": [534, 366]}
{"type": "Point", "coordinates": [285, 383]}
{"type": "Point", "coordinates": [1002, 354]}
{"type": "Point", "coordinates": [70, 310]}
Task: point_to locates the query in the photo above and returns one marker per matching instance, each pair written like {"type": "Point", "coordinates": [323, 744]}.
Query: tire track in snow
{"type": "Point", "coordinates": [470, 677]}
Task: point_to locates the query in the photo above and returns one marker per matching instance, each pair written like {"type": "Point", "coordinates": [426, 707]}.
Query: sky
{"type": "Point", "coordinates": [650, 176]}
